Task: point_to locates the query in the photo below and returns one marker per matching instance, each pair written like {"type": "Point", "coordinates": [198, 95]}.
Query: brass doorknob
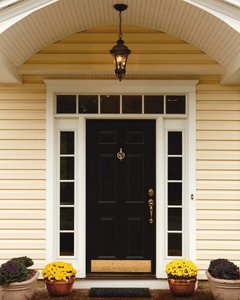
{"type": "Point", "coordinates": [151, 192]}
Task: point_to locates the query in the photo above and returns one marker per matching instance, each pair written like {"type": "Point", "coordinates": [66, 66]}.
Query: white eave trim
{"type": "Point", "coordinates": [8, 72]}
{"type": "Point", "coordinates": [232, 73]}
{"type": "Point", "coordinates": [7, 3]}
{"type": "Point", "coordinates": [223, 11]}
{"type": "Point", "coordinates": [19, 11]}
{"type": "Point", "coordinates": [123, 87]}
{"type": "Point", "coordinates": [235, 3]}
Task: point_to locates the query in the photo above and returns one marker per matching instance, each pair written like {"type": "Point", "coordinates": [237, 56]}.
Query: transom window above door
{"type": "Point", "coordinates": [121, 104]}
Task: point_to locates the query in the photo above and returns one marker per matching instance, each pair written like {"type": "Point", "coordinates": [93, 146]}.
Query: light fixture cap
{"type": "Point", "coordinates": [120, 6]}
{"type": "Point", "coordinates": [120, 48]}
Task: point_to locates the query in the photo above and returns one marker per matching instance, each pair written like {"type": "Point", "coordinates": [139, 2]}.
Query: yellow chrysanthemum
{"type": "Point", "coordinates": [58, 270]}
{"type": "Point", "coordinates": [181, 269]}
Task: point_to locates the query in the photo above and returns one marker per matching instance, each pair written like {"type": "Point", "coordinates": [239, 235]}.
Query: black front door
{"type": "Point", "coordinates": [121, 225]}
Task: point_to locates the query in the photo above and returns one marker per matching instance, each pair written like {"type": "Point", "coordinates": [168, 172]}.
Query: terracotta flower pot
{"type": "Point", "coordinates": [60, 287]}
{"type": "Point", "coordinates": [224, 289]}
{"type": "Point", "coordinates": [182, 287]}
{"type": "Point", "coordinates": [23, 290]}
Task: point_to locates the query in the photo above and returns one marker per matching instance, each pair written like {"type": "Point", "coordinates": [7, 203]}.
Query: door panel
{"type": "Point", "coordinates": [118, 215]}
{"type": "Point", "coordinates": [135, 231]}
{"type": "Point", "coordinates": [106, 238]}
{"type": "Point", "coordinates": [106, 186]}
{"type": "Point", "coordinates": [133, 180]}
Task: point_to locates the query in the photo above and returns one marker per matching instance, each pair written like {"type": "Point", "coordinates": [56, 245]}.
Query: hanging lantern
{"type": "Point", "coordinates": [120, 51]}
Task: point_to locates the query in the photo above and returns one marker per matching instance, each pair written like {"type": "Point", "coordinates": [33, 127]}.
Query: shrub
{"type": "Point", "coordinates": [223, 269]}
{"type": "Point", "coordinates": [15, 270]}
{"type": "Point", "coordinates": [28, 262]}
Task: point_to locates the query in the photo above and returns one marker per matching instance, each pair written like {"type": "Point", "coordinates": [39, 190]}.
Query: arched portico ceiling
{"type": "Point", "coordinates": [186, 20]}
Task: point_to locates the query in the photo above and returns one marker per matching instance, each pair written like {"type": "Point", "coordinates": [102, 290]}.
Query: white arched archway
{"type": "Point", "coordinates": [28, 28]}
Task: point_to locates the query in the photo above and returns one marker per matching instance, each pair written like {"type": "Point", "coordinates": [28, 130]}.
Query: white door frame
{"type": "Point", "coordinates": [54, 87]}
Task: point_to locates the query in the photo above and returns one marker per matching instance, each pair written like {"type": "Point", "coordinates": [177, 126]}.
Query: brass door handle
{"type": "Point", "coordinates": [151, 204]}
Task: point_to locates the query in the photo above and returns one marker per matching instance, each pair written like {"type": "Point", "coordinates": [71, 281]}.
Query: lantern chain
{"type": "Point", "coordinates": [120, 25]}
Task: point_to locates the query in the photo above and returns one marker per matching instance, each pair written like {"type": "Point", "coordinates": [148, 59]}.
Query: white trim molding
{"type": "Point", "coordinates": [14, 12]}
{"type": "Point", "coordinates": [8, 72]}
{"type": "Point", "coordinates": [77, 122]}
{"type": "Point", "coordinates": [123, 87]}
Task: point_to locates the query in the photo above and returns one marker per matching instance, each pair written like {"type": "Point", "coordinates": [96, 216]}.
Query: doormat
{"type": "Point", "coordinates": [120, 292]}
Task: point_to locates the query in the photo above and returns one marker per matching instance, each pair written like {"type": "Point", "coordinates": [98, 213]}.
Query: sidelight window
{"type": "Point", "coordinates": [174, 193]}
{"type": "Point", "coordinates": [66, 193]}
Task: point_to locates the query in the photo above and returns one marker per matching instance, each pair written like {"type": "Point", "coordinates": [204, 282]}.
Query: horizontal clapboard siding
{"type": "Point", "coordinates": [23, 172]}
{"type": "Point", "coordinates": [218, 173]}
{"type": "Point", "coordinates": [23, 134]}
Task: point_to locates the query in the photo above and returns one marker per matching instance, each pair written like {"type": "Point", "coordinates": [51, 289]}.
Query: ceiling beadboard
{"type": "Point", "coordinates": [154, 53]}
{"type": "Point", "coordinates": [174, 17]}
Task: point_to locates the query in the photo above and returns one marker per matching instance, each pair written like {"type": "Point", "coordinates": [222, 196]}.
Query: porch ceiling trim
{"type": "Point", "coordinates": [29, 26]}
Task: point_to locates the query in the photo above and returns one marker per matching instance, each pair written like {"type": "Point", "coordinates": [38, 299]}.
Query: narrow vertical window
{"type": "Point", "coordinates": [66, 193]}
{"type": "Point", "coordinates": [174, 193]}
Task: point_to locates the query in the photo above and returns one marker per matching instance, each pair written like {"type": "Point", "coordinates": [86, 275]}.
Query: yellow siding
{"type": "Point", "coordinates": [218, 173]}
{"type": "Point", "coordinates": [22, 172]}
{"type": "Point", "coordinates": [23, 147]}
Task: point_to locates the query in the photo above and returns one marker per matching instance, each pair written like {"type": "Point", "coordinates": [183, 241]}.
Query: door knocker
{"type": "Point", "coordinates": [120, 155]}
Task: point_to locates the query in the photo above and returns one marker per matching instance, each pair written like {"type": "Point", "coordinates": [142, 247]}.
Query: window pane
{"type": "Point", "coordinates": [66, 244]}
{"type": "Point", "coordinates": [132, 104]}
{"type": "Point", "coordinates": [66, 168]}
{"type": "Point", "coordinates": [66, 104]}
{"type": "Point", "coordinates": [67, 142]}
{"type": "Point", "coordinates": [174, 168]}
{"type": "Point", "coordinates": [175, 143]}
{"type": "Point", "coordinates": [110, 104]}
{"type": "Point", "coordinates": [174, 193]}
{"type": "Point", "coordinates": [88, 104]}
{"type": "Point", "coordinates": [175, 104]}
{"type": "Point", "coordinates": [66, 218]}
{"type": "Point", "coordinates": [66, 193]}
{"type": "Point", "coordinates": [153, 104]}
{"type": "Point", "coordinates": [174, 244]}
{"type": "Point", "coordinates": [175, 219]}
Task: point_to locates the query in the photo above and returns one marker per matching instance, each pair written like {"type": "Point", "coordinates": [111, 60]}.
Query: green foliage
{"type": "Point", "coordinates": [15, 270]}
{"type": "Point", "coordinates": [28, 262]}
